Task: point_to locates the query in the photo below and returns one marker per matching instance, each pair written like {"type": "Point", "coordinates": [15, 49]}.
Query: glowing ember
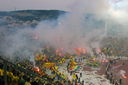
{"type": "Point", "coordinates": [125, 77]}
{"type": "Point", "coordinates": [80, 51]}
{"type": "Point", "coordinates": [36, 69]}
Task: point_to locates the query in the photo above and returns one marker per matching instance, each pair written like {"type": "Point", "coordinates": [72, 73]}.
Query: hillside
{"type": "Point", "coordinates": [12, 21]}
{"type": "Point", "coordinates": [30, 17]}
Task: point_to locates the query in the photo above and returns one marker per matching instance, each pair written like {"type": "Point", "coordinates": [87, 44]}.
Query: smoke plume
{"type": "Point", "coordinates": [83, 27]}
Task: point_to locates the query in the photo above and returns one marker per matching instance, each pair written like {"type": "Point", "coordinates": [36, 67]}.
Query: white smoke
{"type": "Point", "coordinates": [83, 27]}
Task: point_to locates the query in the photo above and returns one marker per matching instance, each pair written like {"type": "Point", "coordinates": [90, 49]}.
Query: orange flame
{"type": "Point", "coordinates": [80, 51]}
{"type": "Point", "coordinates": [36, 69]}
{"type": "Point", "coordinates": [125, 77]}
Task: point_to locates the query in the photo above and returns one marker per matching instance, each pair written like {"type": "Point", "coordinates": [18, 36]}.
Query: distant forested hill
{"type": "Point", "coordinates": [26, 15]}
{"type": "Point", "coordinates": [23, 18]}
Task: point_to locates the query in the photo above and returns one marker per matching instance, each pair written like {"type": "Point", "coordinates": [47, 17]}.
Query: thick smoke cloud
{"type": "Point", "coordinates": [71, 31]}
{"type": "Point", "coordinates": [85, 27]}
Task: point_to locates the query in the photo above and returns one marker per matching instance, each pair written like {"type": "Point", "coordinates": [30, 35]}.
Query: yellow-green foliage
{"type": "Point", "coordinates": [94, 63]}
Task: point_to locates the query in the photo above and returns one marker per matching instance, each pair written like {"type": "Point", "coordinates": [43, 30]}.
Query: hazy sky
{"type": "Point", "coordinates": [44, 4]}
{"type": "Point", "coordinates": [36, 4]}
{"type": "Point", "coordinates": [68, 5]}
